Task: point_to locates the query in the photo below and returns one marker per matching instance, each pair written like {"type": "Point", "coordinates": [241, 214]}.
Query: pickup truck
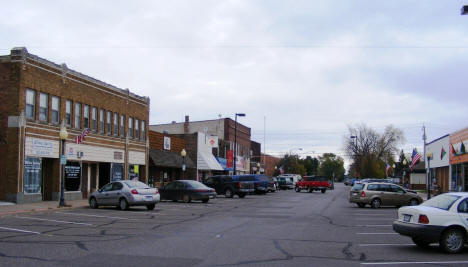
{"type": "Point", "coordinates": [230, 185]}
{"type": "Point", "coordinates": [312, 183]}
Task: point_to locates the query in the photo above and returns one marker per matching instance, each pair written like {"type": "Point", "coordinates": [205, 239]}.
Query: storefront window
{"type": "Point", "coordinates": [72, 176]}
{"type": "Point", "coordinates": [32, 175]}
{"type": "Point", "coordinates": [117, 172]}
{"type": "Point", "coordinates": [133, 172]}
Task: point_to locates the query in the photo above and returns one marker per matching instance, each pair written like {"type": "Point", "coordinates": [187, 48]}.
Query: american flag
{"type": "Point", "coordinates": [80, 138]}
{"type": "Point", "coordinates": [415, 158]}
{"type": "Point", "coordinates": [387, 168]}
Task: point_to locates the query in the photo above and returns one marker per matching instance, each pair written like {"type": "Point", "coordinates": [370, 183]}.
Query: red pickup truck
{"type": "Point", "coordinates": [312, 183]}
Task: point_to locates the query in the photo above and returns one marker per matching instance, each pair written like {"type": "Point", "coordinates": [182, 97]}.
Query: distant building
{"type": "Point", "coordinates": [38, 96]}
{"type": "Point", "coordinates": [439, 163]}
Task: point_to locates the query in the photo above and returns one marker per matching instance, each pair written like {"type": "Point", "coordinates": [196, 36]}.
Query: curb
{"type": "Point", "coordinates": [2, 213]}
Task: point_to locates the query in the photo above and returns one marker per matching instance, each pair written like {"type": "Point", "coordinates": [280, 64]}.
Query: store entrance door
{"type": "Point", "coordinates": [104, 174]}
{"type": "Point", "coordinates": [84, 180]}
{"type": "Point", "coordinates": [92, 178]}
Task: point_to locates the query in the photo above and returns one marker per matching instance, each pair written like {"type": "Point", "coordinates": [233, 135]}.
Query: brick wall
{"type": "Point", "coordinates": [156, 141]}
{"type": "Point", "coordinates": [271, 162]}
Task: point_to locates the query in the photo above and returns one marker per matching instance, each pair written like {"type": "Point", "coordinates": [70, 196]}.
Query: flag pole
{"type": "Point", "coordinates": [428, 171]}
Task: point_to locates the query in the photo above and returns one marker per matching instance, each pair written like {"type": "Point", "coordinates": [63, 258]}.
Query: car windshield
{"type": "Point", "coordinates": [195, 185]}
{"type": "Point", "coordinates": [441, 201]}
{"type": "Point", "coordinates": [136, 184]}
{"type": "Point", "coordinates": [357, 187]}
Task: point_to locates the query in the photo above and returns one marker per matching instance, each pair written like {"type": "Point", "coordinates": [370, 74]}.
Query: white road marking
{"type": "Point", "coordinates": [374, 225]}
{"type": "Point", "coordinates": [368, 214]}
{"type": "Point", "coordinates": [377, 233]}
{"type": "Point", "coordinates": [383, 245]}
{"type": "Point", "coordinates": [375, 219]}
{"type": "Point", "coordinates": [414, 262]}
{"type": "Point", "coordinates": [19, 230]}
{"type": "Point", "coordinates": [47, 220]}
{"type": "Point", "coordinates": [91, 215]}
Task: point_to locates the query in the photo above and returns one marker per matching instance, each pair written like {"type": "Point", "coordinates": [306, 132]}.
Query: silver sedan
{"type": "Point", "coordinates": [124, 194]}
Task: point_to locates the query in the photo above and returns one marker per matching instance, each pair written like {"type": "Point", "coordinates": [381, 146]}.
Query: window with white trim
{"type": "Point", "coordinates": [77, 115]}
{"type": "Point", "coordinates": [130, 127]}
{"type": "Point", "coordinates": [68, 112]}
{"type": "Point", "coordinates": [30, 104]}
{"type": "Point", "coordinates": [55, 109]}
{"type": "Point", "coordinates": [94, 119]}
{"type": "Point", "coordinates": [43, 106]}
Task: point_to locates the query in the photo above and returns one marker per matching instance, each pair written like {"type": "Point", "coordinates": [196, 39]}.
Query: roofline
{"type": "Point", "coordinates": [181, 123]}
{"type": "Point", "coordinates": [435, 140]}
{"type": "Point", "coordinates": [461, 130]}
{"type": "Point", "coordinates": [21, 54]}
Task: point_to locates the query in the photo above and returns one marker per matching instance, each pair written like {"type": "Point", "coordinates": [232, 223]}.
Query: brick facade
{"type": "Point", "coordinates": [21, 72]}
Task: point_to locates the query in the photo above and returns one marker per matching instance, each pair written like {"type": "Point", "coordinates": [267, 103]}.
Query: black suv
{"type": "Point", "coordinates": [225, 185]}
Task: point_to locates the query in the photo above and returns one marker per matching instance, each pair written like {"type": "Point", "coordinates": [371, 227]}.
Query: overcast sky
{"type": "Point", "coordinates": [305, 69]}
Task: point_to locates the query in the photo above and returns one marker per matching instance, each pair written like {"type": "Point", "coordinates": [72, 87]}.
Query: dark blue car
{"type": "Point", "coordinates": [260, 181]}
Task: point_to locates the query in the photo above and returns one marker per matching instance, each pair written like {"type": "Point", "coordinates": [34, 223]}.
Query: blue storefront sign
{"type": "Point", "coordinates": [223, 163]}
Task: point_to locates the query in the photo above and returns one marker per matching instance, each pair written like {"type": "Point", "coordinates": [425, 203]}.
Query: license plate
{"type": "Point", "coordinates": [149, 198]}
{"type": "Point", "coordinates": [406, 217]}
{"type": "Point", "coordinates": [354, 194]}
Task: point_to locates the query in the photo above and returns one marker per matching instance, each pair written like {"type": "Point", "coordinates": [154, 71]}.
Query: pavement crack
{"type": "Point", "coordinates": [279, 248]}
{"type": "Point", "coordinates": [346, 251]}
{"type": "Point", "coordinates": [81, 245]}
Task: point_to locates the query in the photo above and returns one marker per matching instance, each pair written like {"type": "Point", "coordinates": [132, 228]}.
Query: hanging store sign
{"type": "Point", "coordinates": [230, 159]}
{"type": "Point", "coordinates": [167, 143]}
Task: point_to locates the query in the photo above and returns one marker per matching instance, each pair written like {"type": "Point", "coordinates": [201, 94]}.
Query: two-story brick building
{"type": "Point", "coordinates": [37, 96]}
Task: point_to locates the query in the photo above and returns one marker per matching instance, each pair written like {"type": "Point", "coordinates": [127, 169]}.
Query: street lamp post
{"type": "Point", "coordinates": [183, 153]}
{"type": "Point", "coordinates": [429, 157]}
{"type": "Point", "coordinates": [235, 140]}
{"type": "Point", "coordinates": [354, 137]}
{"type": "Point", "coordinates": [63, 137]}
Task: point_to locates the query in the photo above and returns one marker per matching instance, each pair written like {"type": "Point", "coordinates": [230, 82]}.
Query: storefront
{"type": "Point", "coordinates": [438, 164]}
{"type": "Point", "coordinates": [459, 161]}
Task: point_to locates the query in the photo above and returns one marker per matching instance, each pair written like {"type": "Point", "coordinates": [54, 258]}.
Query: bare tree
{"type": "Point", "coordinates": [366, 143]}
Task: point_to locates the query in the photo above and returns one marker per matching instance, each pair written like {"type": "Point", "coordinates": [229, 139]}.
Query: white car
{"type": "Point", "coordinates": [442, 219]}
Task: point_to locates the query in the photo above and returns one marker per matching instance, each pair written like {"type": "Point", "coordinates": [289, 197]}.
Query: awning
{"type": "Point", "coordinates": [206, 161]}
{"type": "Point", "coordinates": [171, 159]}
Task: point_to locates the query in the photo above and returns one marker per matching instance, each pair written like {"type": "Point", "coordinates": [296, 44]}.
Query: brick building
{"type": "Point", "coordinates": [219, 134]}
{"type": "Point", "coordinates": [165, 162]}
{"type": "Point", "coordinates": [38, 96]}
{"type": "Point", "coordinates": [270, 164]}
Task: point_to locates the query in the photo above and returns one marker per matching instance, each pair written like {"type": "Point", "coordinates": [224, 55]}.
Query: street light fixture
{"type": "Point", "coordinates": [63, 137]}
{"type": "Point", "coordinates": [235, 140]}
{"type": "Point", "coordinates": [183, 153]}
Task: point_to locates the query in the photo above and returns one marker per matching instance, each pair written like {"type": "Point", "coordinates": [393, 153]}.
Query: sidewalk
{"type": "Point", "coordinates": [12, 208]}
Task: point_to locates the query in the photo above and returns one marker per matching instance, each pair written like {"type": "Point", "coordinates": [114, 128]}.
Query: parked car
{"type": "Point", "coordinates": [260, 181]}
{"type": "Point", "coordinates": [285, 183]}
{"type": "Point", "coordinates": [225, 185]}
{"type": "Point", "coordinates": [294, 178]}
{"type": "Point", "coordinates": [442, 219]}
{"type": "Point", "coordinates": [331, 185]}
{"type": "Point", "coordinates": [187, 190]}
{"type": "Point", "coordinates": [347, 181]}
{"type": "Point", "coordinates": [271, 184]}
{"type": "Point", "coordinates": [382, 194]}
{"type": "Point", "coordinates": [124, 194]}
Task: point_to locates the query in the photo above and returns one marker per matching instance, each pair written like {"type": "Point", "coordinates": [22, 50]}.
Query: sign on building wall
{"type": "Point", "coordinates": [212, 141]}
{"type": "Point", "coordinates": [42, 148]}
{"type": "Point", "coordinates": [230, 159]}
{"type": "Point", "coordinates": [167, 143]}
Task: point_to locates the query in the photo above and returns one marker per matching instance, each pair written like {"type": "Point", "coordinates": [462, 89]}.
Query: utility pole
{"type": "Point", "coordinates": [428, 171]}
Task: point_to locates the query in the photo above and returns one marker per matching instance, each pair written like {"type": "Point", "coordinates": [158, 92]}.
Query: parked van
{"type": "Point", "coordinates": [292, 177]}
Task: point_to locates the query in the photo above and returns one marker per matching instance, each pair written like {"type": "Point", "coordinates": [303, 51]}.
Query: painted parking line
{"type": "Point", "coordinates": [373, 225]}
{"type": "Point", "coordinates": [47, 220]}
{"type": "Point", "coordinates": [377, 233]}
{"type": "Point", "coordinates": [413, 262]}
{"type": "Point", "coordinates": [91, 215]}
{"type": "Point", "coordinates": [384, 245]}
{"type": "Point", "coordinates": [19, 230]}
{"type": "Point", "coordinates": [375, 219]}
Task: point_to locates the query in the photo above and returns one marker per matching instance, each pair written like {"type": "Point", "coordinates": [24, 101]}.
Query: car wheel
{"type": "Point", "coordinates": [323, 191]}
{"type": "Point", "coordinates": [309, 190]}
{"type": "Point", "coordinates": [229, 193]}
{"type": "Point", "coordinates": [297, 189]}
{"type": "Point", "coordinates": [93, 203]}
{"type": "Point", "coordinates": [187, 199]}
{"type": "Point", "coordinates": [150, 206]}
{"type": "Point", "coordinates": [205, 200]}
{"type": "Point", "coordinates": [123, 204]}
{"type": "Point", "coordinates": [414, 202]}
{"type": "Point", "coordinates": [452, 240]}
{"type": "Point", "coordinates": [174, 200]}
{"type": "Point", "coordinates": [420, 243]}
{"type": "Point", "coordinates": [241, 195]}
{"type": "Point", "coordinates": [361, 205]}
{"type": "Point", "coordinates": [376, 203]}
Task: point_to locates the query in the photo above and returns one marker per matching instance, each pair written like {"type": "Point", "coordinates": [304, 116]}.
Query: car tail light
{"type": "Point", "coordinates": [240, 185]}
{"type": "Point", "coordinates": [157, 191]}
{"type": "Point", "coordinates": [363, 194]}
{"type": "Point", "coordinates": [134, 191]}
{"type": "Point", "coordinates": [200, 190]}
{"type": "Point", "coordinates": [423, 219]}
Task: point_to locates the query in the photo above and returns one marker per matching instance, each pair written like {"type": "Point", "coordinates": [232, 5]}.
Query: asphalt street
{"type": "Point", "coordinates": [278, 229]}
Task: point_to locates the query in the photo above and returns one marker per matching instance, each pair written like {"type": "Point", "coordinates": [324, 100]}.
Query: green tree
{"type": "Point", "coordinates": [331, 166]}
{"type": "Point", "coordinates": [311, 165]}
{"type": "Point", "coordinates": [292, 164]}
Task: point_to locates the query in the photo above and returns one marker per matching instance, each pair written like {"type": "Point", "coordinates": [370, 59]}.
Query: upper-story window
{"type": "Point", "coordinates": [130, 127]}
{"type": "Point", "coordinates": [77, 115]}
{"type": "Point", "coordinates": [68, 112]}
{"type": "Point", "coordinates": [122, 125]}
{"type": "Point", "coordinates": [94, 119]}
{"type": "Point", "coordinates": [30, 104]}
{"type": "Point", "coordinates": [116, 123]}
{"type": "Point", "coordinates": [108, 122]}
{"type": "Point", "coordinates": [55, 109]}
{"type": "Point", "coordinates": [101, 121]}
{"type": "Point", "coordinates": [86, 116]}
{"type": "Point", "coordinates": [137, 129]}
{"type": "Point", "coordinates": [143, 130]}
{"type": "Point", "coordinates": [43, 106]}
